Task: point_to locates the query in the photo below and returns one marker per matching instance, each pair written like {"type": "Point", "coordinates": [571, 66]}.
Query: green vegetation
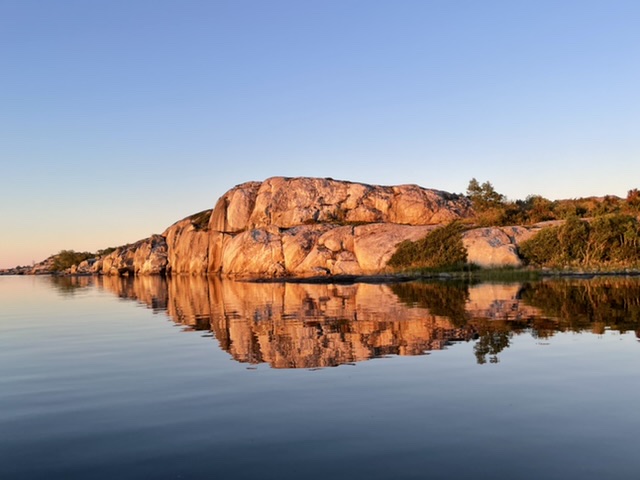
{"type": "Point", "coordinates": [605, 241]}
{"type": "Point", "coordinates": [200, 220]}
{"type": "Point", "coordinates": [490, 206]}
{"type": "Point", "coordinates": [493, 209]}
{"type": "Point", "coordinates": [67, 258]}
{"type": "Point", "coordinates": [591, 233]}
{"type": "Point", "coordinates": [440, 249]}
{"type": "Point", "coordinates": [105, 251]}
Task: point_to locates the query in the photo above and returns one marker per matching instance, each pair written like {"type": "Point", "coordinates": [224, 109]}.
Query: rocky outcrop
{"type": "Point", "coordinates": [290, 202]}
{"type": "Point", "coordinates": [83, 268]}
{"type": "Point", "coordinates": [145, 257]}
{"type": "Point", "coordinates": [188, 245]}
{"type": "Point", "coordinates": [306, 227]}
{"type": "Point", "coordinates": [45, 267]}
{"type": "Point", "coordinates": [291, 227]}
{"type": "Point", "coordinates": [311, 226]}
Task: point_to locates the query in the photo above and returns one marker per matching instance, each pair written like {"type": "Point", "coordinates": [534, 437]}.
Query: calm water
{"type": "Point", "coordinates": [116, 379]}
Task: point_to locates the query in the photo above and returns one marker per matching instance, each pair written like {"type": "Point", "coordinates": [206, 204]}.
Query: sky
{"type": "Point", "coordinates": [118, 118]}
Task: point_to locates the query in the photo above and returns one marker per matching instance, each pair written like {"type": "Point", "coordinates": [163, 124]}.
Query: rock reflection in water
{"type": "Point", "coordinates": [292, 325]}
{"type": "Point", "coordinates": [305, 326]}
{"type": "Point", "coordinates": [150, 290]}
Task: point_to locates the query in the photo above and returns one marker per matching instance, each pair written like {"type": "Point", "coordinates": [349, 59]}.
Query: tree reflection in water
{"type": "Point", "coordinates": [69, 286]}
{"type": "Point", "coordinates": [293, 325]}
{"type": "Point", "coordinates": [598, 304]}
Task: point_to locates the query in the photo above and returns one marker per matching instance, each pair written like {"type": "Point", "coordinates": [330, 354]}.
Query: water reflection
{"type": "Point", "coordinates": [308, 325]}
{"type": "Point", "coordinates": [597, 304]}
{"type": "Point", "coordinates": [69, 286]}
{"type": "Point", "coordinates": [151, 291]}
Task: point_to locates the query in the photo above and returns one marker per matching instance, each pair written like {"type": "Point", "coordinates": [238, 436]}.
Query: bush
{"type": "Point", "coordinates": [543, 248]}
{"type": "Point", "coordinates": [633, 199]}
{"type": "Point", "coordinates": [67, 258]}
{"type": "Point", "coordinates": [442, 248]}
{"type": "Point", "coordinates": [614, 238]}
{"type": "Point", "coordinates": [573, 237]}
{"type": "Point", "coordinates": [607, 240]}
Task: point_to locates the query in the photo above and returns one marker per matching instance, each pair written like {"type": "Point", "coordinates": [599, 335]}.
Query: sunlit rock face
{"type": "Point", "coordinates": [188, 248]}
{"type": "Point", "coordinates": [308, 227]}
{"type": "Point", "coordinates": [145, 257]}
{"type": "Point", "coordinates": [289, 202]}
{"type": "Point", "coordinates": [312, 226]}
{"type": "Point", "coordinates": [495, 246]}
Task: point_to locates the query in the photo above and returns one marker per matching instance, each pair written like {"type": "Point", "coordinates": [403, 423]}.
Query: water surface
{"type": "Point", "coordinates": [196, 378]}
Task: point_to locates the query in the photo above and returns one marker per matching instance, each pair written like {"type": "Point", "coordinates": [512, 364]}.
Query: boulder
{"type": "Point", "coordinates": [145, 257]}
{"type": "Point", "coordinates": [493, 247]}
{"type": "Point", "coordinates": [375, 244]}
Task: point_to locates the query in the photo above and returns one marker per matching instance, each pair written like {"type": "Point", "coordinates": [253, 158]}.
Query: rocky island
{"type": "Point", "coordinates": [315, 227]}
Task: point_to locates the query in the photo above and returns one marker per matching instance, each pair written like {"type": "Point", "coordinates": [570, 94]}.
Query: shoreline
{"type": "Point", "coordinates": [487, 275]}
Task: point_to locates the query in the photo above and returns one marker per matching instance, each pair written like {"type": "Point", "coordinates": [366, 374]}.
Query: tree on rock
{"type": "Point", "coordinates": [484, 196]}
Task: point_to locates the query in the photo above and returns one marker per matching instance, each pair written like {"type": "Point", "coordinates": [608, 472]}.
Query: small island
{"type": "Point", "coordinates": [314, 228]}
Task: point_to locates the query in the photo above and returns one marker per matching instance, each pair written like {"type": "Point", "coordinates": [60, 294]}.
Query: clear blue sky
{"type": "Point", "coordinates": [118, 118]}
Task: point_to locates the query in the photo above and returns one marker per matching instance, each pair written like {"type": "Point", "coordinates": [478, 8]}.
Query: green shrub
{"type": "Point", "coordinates": [543, 248]}
{"type": "Point", "coordinates": [614, 238]}
{"type": "Point", "coordinates": [573, 237]}
{"type": "Point", "coordinates": [607, 240]}
{"type": "Point", "coordinates": [67, 258]}
{"type": "Point", "coordinates": [442, 248]}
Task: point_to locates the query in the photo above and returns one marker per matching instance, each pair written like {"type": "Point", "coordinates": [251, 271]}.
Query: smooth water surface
{"type": "Point", "coordinates": [196, 378]}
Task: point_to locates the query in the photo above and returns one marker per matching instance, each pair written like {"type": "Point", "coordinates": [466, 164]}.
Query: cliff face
{"type": "Point", "coordinates": [145, 257]}
{"type": "Point", "coordinates": [307, 227]}
{"type": "Point", "coordinates": [290, 202]}
{"type": "Point", "coordinates": [311, 226]}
